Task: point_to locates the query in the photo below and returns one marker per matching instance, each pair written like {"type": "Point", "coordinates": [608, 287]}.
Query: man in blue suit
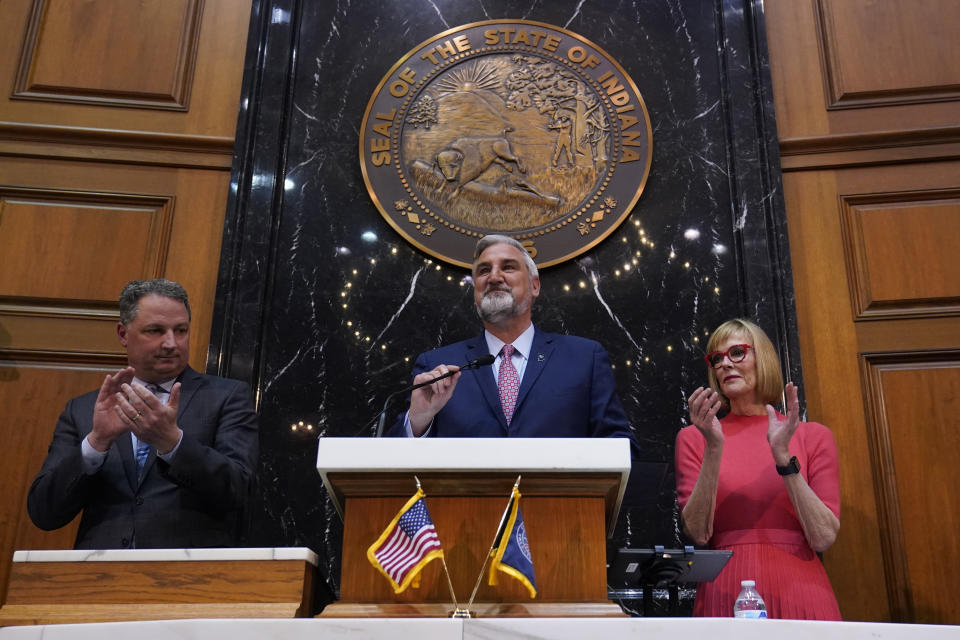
{"type": "Point", "coordinates": [160, 456]}
{"type": "Point", "coordinates": [549, 385]}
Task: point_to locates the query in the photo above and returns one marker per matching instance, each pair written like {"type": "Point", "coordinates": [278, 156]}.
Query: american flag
{"type": "Point", "coordinates": [407, 545]}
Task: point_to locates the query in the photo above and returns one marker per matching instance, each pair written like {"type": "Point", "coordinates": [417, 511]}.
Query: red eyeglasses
{"type": "Point", "coordinates": [736, 353]}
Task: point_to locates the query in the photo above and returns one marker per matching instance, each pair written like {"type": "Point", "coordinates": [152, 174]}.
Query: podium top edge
{"type": "Point", "coordinates": [479, 455]}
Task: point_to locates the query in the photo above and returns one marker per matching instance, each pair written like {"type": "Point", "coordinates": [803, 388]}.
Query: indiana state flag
{"type": "Point", "coordinates": [511, 549]}
{"type": "Point", "coordinates": [407, 545]}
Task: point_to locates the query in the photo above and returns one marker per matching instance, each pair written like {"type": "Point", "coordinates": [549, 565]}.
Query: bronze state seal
{"type": "Point", "coordinates": [511, 127]}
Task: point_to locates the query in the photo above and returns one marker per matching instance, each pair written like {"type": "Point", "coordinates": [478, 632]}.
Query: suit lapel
{"type": "Point", "coordinates": [537, 359]}
{"type": "Point", "coordinates": [190, 381]}
{"type": "Point", "coordinates": [484, 377]}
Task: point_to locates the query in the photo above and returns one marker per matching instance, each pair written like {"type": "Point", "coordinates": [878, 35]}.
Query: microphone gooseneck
{"type": "Point", "coordinates": [483, 361]}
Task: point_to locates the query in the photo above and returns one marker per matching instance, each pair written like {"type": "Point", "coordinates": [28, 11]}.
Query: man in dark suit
{"type": "Point", "coordinates": [161, 456]}
{"type": "Point", "coordinates": [549, 384]}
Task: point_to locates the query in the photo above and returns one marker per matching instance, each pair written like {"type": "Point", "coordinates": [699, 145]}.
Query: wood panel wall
{"type": "Point", "coordinates": [117, 124]}
{"type": "Point", "coordinates": [867, 97]}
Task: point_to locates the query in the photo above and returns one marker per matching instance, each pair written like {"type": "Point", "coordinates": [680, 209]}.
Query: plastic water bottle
{"type": "Point", "coordinates": [749, 604]}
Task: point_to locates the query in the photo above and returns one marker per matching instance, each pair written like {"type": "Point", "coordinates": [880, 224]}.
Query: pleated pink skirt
{"type": "Point", "coordinates": [790, 578]}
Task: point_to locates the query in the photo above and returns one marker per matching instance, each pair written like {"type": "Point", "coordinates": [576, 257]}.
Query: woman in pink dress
{"type": "Point", "coordinates": [759, 483]}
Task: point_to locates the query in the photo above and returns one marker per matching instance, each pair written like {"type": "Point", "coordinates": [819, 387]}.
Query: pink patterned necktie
{"type": "Point", "coordinates": [508, 382]}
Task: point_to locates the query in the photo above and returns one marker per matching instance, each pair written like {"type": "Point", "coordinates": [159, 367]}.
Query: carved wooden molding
{"type": "Point", "coordinates": [59, 359]}
{"type": "Point", "coordinates": [839, 97]}
{"type": "Point", "coordinates": [114, 145]}
{"type": "Point", "coordinates": [892, 540]}
{"type": "Point", "coordinates": [178, 99]}
{"type": "Point", "coordinates": [871, 140]}
{"type": "Point", "coordinates": [870, 148]}
{"type": "Point", "coordinates": [865, 307]}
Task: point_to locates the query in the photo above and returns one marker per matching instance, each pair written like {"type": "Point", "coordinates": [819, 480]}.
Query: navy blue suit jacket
{"type": "Point", "coordinates": [567, 391]}
{"type": "Point", "coordinates": [195, 501]}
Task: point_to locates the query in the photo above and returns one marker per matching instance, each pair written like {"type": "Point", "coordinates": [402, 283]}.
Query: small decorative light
{"type": "Point", "coordinates": [349, 323]}
{"type": "Point", "coordinates": [691, 234]}
{"type": "Point", "coordinates": [669, 348]}
{"type": "Point", "coordinates": [617, 272]}
{"type": "Point", "coordinates": [393, 250]}
{"type": "Point", "coordinates": [686, 265]}
{"type": "Point", "coordinates": [672, 255]}
{"type": "Point", "coordinates": [646, 358]}
{"type": "Point", "coordinates": [628, 363]}
{"type": "Point", "coordinates": [349, 285]}
{"type": "Point", "coordinates": [716, 289]}
{"type": "Point", "coordinates": [583, 285]}
{"type": "Point", "coordinates": [373, 261]}
{"type": "Point", "coordinates": [566, 287]}
{"type": "Point", "coordinates": [383, 347]}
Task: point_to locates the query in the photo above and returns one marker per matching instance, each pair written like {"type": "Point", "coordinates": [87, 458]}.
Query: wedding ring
{"type": "Point", "coordinates": [136, 417]}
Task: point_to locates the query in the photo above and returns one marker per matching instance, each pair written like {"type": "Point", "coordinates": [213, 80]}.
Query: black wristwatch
{"type": "Point", "coordinates": [790, 468]}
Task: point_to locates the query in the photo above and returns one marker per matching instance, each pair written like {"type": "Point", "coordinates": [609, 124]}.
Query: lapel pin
{"type": "Point", "coordinates": [539, 357]}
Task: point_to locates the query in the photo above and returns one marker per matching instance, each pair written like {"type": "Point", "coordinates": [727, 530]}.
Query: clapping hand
{"type": "Point", "coordinates": [780, 431]}
{"type": "Point", "coordinates": [704, 405]}
{"type": "Point", "coordinates": [107, 423]}
{"type": "Point", "coordinates": [151, 420]}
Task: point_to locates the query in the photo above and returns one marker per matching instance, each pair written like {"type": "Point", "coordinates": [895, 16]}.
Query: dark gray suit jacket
{"type": "Point", "coordinates": [195, 501]}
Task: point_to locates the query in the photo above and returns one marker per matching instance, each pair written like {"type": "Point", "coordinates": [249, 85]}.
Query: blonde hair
{"type": "Point", "coordinates": [769, 378]}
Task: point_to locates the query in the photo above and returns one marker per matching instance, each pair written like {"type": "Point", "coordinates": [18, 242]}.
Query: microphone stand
{"type": "Point", "coordinates": [482, 361]}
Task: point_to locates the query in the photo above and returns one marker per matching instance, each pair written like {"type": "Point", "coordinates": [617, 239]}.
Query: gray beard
{"type": "Point", "coordinates": [497, 306]}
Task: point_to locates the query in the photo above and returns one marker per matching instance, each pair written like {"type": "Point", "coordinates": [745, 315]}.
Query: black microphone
{"type": "Point", "coordinates": [482, 361]}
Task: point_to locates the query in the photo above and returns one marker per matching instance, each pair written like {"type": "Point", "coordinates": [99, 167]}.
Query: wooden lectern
{"type": "Point", "coordinates": [54, 587]}
{"type": "Point", "coordinates": [571, 487]}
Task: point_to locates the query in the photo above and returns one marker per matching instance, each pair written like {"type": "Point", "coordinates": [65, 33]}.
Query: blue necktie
{"type": "Point", "coordinates": [143, 449]}
{"type": "Point", "coordinates": [142, 453]}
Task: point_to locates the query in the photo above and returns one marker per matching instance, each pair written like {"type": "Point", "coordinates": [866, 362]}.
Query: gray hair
{"type": "Point", "coordinates": [488, 241]}
{"type": "Point", "coordinates": [136, 289]}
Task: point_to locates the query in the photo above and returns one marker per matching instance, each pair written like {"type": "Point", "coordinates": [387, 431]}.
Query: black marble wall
{"type": "Point", "coordinates": [320, 304]}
